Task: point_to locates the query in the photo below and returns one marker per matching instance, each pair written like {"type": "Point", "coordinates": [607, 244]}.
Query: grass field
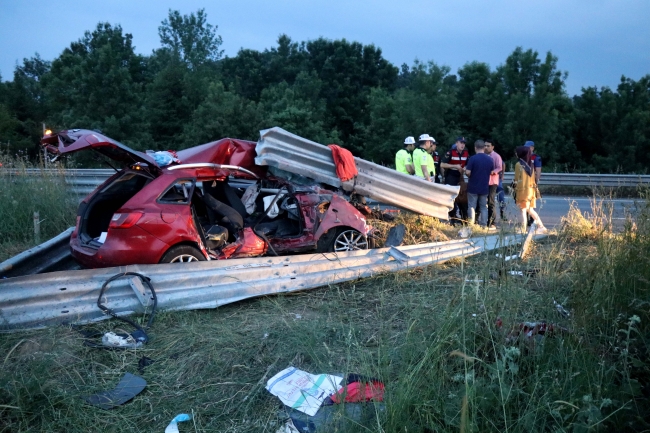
{"type": "Point", "coordinates": [443, 339]}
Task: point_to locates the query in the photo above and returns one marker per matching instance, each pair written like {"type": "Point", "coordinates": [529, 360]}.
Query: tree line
{"type": "Point", "coordinates": [187, 93]}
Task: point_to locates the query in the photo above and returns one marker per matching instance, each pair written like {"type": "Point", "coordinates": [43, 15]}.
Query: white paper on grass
{"type": "Point", "coordinates": [301, 390]}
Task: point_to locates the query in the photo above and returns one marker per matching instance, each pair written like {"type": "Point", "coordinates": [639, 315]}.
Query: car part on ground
{"type": "Point", "coordinates": [289, 154]}
{"type": "Point", "coordinates": [70, 297]}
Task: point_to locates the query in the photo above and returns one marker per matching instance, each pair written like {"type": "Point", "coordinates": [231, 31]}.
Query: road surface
{"type": "Point", "coordinates": [551, 209]}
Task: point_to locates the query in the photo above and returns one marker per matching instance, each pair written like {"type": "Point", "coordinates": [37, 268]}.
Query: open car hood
{"type": "Point", "coordinates": [74, 140]}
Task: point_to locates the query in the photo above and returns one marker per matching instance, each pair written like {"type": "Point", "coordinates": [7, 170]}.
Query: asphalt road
{"type": "Point", "coordinates": [551, 209]}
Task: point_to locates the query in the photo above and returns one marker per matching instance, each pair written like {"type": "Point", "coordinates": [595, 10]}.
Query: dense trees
{"type": "Point", "coordinates": [185, 93]}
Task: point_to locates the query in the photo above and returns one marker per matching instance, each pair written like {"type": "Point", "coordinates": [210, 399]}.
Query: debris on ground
{"type": "Point", "coordinates": [359, 391]}
{"type": "Point", "coordinates": [563, 311]}
{"type": "Point", "coordinates": [526, 272]}
{"type": "Point", "coordinates": [507, 258]}
{"type": "Point", "coordinates": [354, 389]}
{"type": "Point", "coordinates": [129, 386]}
{"type": "Point", "coordinates": [395, 236]}
{"type": "Point", "coordinates": [532, 329]}
{"type": "Point", "coordinates": [465, 232]}
{"type": "Point", "coordinates": [173, 425]}
{"type": "Point", "coordinates": [301, 390]}
{"type": "Point", "coordinates": [143, 363]}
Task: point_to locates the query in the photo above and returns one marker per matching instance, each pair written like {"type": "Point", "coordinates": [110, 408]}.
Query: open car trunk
{"type": "Point", "coordinates": [95, 216]}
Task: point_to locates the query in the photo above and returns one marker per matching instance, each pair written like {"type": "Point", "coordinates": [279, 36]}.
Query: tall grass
{"type": "Point", "coordinates": [24, 192]}
{"type": "Point", "coordinates": [443, 339]}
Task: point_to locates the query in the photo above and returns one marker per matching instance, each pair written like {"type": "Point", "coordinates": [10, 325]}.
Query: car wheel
{"type": "Point", "coordinates": [182, 254]}
{"type": "Point", "coordinates": [349, 240]}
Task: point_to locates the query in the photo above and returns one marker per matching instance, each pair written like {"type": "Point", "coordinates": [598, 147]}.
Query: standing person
{"type": "Point", "coordinates": [479, 169]}
{"type": "Point", "coordinates": [454, 163]}
{"type": "Point", "coordinates": [495, 180]}
{"type": "Point", "coordinates": [501, 197]}
{"type": "Point", "coordinates": [403, 159]}
{"type": "Point", "coordinates": [525, 188]}
{"type": "Point", "coordinates": [422, 160]}
{"type": "Point", "coordinates": [536, 161]}
{"type": "Point", "coordinates": [436, 161]}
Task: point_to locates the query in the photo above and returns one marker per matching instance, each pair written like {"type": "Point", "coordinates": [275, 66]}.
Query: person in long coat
{"type": "Point", "coordinates": [526, 189]}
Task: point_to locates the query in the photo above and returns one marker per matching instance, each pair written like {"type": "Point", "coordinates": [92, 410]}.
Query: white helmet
{"type": "Point", "coordinates": [426, 137]}
{"type": "Point", "coordinates": [409, 140]}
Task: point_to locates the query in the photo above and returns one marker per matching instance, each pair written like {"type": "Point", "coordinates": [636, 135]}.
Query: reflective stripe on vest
{"type": "Point", "coordinates": [458, 158]}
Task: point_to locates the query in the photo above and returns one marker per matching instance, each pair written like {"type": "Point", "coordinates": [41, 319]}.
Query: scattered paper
{"type": "Point", "coordinates": [301, 390]}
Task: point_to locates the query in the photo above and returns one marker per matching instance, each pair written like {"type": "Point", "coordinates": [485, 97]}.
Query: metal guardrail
{"type": "Point", "coordinates": [71, 297]}
{"type": "Point", "coordinates": [291, 153]}
{"type": "Point", "coordinates": [51, 255]}
{"type": "Point", "coordinates": [83, 181]}
{"type": "Point", "coordinates": [594, 180]}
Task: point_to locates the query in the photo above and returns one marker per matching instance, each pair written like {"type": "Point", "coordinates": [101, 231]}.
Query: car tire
{"type": "Point", "coordinates": [182, 254]}
{"type": "Point", "coordinates": [348, 239]}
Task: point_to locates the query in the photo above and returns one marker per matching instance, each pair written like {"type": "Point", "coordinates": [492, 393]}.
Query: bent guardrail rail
{"type": "Point", "coordinates": [291, 153]}
{"type": "Point", "coordinates": [42, 258]}
{"type": "Point", "coordinates": [71, 297]}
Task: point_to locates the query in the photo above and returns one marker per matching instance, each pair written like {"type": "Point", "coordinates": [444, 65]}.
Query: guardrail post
{"type": "Point", "coordinates": [37, 227]}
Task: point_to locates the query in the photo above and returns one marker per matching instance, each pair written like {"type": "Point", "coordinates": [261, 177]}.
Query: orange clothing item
{"type": "Point", "coordinates": [346, 168]}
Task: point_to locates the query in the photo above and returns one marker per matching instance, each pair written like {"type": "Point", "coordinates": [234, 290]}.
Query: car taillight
{"type": "Point", "coordinates": [124, 220]}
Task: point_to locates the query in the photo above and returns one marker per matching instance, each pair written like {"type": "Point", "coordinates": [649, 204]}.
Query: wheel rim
{"type": "Point", "coordinates": [350, 240]}
{"type": "Point", "coordinates": [184, 258]}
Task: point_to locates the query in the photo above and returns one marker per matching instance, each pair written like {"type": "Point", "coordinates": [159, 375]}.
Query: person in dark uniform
{"type": "Point", "coordinates": [454, 163]}
{"type": "Point", "coordinates": [436, 160]}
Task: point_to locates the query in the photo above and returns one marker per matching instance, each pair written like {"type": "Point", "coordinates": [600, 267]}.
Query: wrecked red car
{"type": "Point", "coordinates": [212, 202]}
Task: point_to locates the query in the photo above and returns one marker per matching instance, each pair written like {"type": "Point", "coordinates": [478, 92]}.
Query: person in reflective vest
{"type": "Point", "coordinates": [422, 159]}
{"type": "Point", "coordinates": [403, 159]}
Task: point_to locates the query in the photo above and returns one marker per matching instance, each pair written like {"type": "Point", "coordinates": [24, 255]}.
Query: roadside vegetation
{"type": "Point", "coordinates": [186, 92]}
{"type": "Point", "coordinates": [445, 340]}
{"type": "Point", "coordinates": [28, 188]}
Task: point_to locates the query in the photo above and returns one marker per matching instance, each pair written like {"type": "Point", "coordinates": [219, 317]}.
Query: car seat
{"type": "Point", "coordinates": [225, 194]}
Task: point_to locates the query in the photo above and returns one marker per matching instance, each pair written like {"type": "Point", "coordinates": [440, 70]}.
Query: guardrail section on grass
{"type": "Point", "coordinates": [71, 297]}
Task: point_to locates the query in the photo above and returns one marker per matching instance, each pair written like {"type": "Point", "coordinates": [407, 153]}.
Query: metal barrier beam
{"type": "Point", "coordinates": [40, 258]}
{"type": "Point", "coordinates": [71, 297]}
{"type": "Point", "coordinates": [291, 153]}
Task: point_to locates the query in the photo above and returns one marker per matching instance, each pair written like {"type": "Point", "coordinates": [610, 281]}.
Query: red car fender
{"type": "Point", "coordinates": [346, 216]}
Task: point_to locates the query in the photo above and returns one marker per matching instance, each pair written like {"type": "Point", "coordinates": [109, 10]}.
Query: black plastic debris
{"type": "Point", "coordinates": [144, 362]}
{"type": "Point", "coordinates": [129, 386]}
{"type": "Point", "coordinates": [395, 236]}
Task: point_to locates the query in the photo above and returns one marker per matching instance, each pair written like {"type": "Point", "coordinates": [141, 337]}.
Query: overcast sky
{"type": "Point", "coordinates": [596, 41]}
